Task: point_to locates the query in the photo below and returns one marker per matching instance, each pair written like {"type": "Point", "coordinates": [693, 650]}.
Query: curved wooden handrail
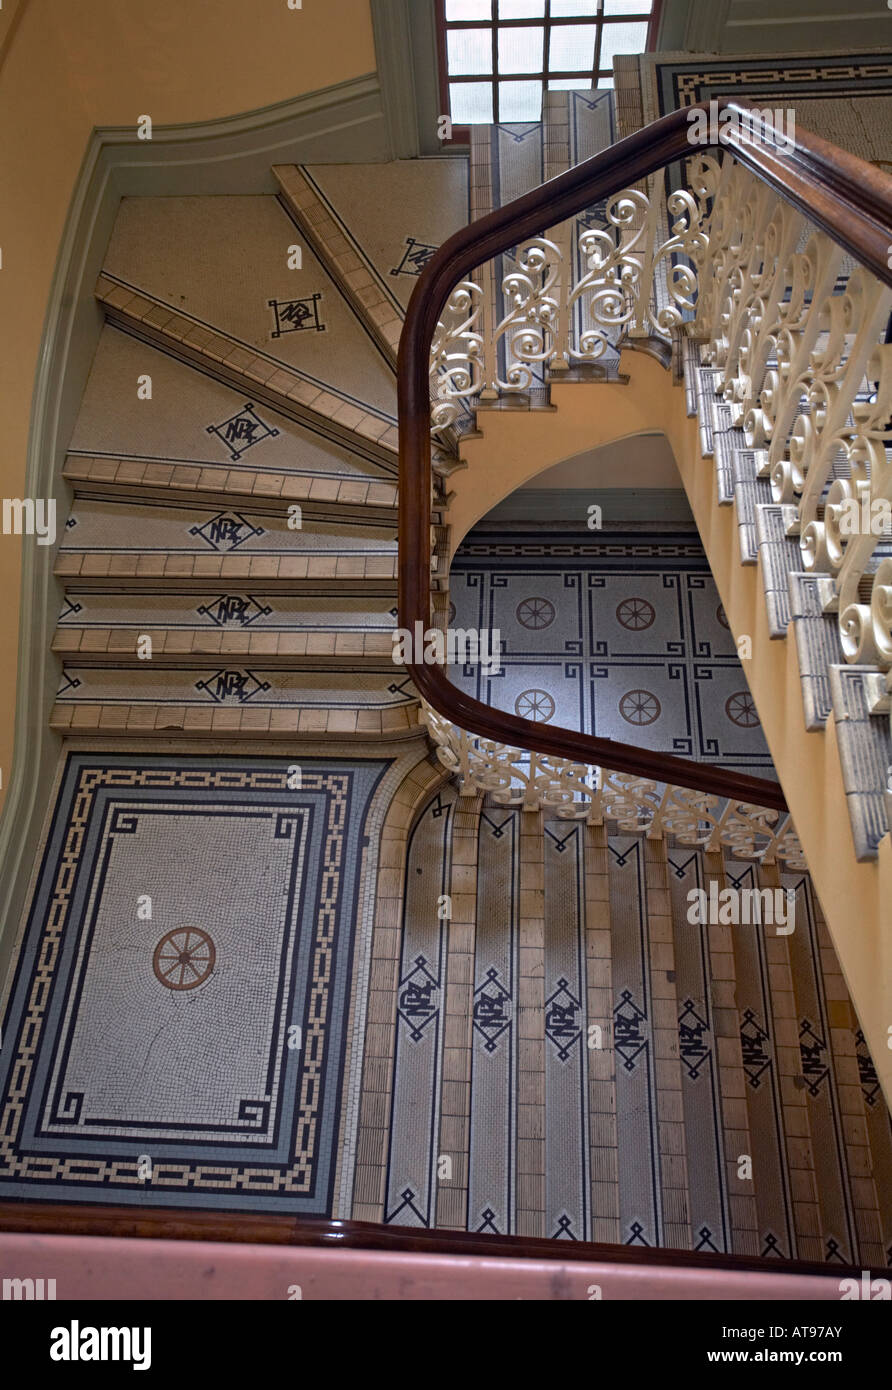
{"type": "Point", "coordinates": [273, 1228]}
{"type": "Point", "coordinates": [846, 197]}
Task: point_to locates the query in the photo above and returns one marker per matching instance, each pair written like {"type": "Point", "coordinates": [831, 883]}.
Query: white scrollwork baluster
{"type": "Point", "coordinates": [854, 321]}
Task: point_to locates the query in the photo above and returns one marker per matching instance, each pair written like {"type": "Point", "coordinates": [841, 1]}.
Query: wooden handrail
{"type": "Point", "coordinates": [268, 1228]}
{"type": "Point", "coordinates": [849, 199]}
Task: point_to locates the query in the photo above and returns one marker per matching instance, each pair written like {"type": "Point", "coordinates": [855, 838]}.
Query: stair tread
{"type": "Point", "coordinates": [240, 683]}
{"type": "Point", "coordinates": [223, 260]}
{"type": "Point", "coordinates": [288, 721]}
{"type": "Point", "coordinates": [322, 407]}
{"type": "Point", "coordinates": [185, 421]}
{"type": "Point", "coordinates": [116, 646]}
{"type": "Point", "coordinates": [112, 527]}
{"type": "Point", "coordinates": [865, 751]}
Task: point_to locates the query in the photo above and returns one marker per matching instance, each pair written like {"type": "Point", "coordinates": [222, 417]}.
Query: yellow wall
{"type": "Point", "coordinates": [515, 445]}
{"type": "Point", "coordinates": [67, 66]}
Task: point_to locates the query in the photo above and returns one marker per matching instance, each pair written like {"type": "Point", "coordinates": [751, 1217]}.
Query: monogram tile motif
{"type": "Point", "coordinates": [242, 431]}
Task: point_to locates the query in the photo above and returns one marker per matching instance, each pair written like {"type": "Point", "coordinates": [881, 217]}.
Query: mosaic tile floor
{"type": "Point", "coordinates": [578, 1060]}
{"type": "Point", "coordinates": [177, 1024]}
{"type": "Point", "coordinates": [621, 635]}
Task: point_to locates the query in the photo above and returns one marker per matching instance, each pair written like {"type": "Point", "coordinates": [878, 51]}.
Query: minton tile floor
{"type": "Point", "coordinates": [177, 1024]}
{"type": "Point", "coordinates": [618, 634]}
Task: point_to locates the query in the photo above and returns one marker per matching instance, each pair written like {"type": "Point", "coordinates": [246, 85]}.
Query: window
{"type": "Point", "coordinates": [500, 56]}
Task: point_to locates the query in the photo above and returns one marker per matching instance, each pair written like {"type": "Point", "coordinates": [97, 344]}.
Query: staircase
{"type": "Point", "coordinates": [229, 561]}
{"type": "Point", "coordinates": [207, 595]}
{"type": "Point", "coordinates": [578, 1057]}
{"type": "Point", "coordinates": [555, 1046]}
{"type": "Point", "coordinates": [777, 408]}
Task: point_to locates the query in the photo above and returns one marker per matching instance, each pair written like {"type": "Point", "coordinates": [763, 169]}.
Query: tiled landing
{"type": "Point", "coordinates": [179, 1023]}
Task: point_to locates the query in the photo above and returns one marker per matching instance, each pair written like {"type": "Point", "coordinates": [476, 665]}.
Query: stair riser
{"type": "Point", "coordinates": [122, 721]}
{"type": "Point", "coordinates": [198, 584]}
{"type": "Point", "coordinates": [279, 661]}
{"type": "Point", "coordinates": [333, 513]}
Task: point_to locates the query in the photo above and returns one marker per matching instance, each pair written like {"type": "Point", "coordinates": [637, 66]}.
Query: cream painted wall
{"type": "Point", "coordinates": [67, 66]}
{"type": "Point", "coordinates": [514, 445]}
{"type": "Point", "coordinates": [518, 447]}
{"type": "Point", "coordinates": [645, 461]}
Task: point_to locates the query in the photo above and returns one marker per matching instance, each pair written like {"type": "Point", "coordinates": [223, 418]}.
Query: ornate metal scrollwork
{"type": "Point", "coordinates": [638, 806]}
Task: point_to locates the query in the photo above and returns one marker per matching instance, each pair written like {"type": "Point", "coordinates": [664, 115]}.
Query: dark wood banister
{"type": "Point", "coordinates": [846, 197]}
{"type": "Point", "coordinates": [269, 1228]}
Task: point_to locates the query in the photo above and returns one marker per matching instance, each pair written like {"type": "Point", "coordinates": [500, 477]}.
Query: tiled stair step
{"type": "Point", "coordinates": [194, 420]}
{"type": "Point", "coordinates": [865, 751]}
{"type": "Point", "coordinates": [93, 523]}
{"type": "Point", "coordinates": [323, 496]}
{"type": "Point", "coordinates": [343, 257]}
{"type": "Point", "coordinates": [691, 349]}
{"type": "Point", "coordinates": [257, 376]}
{"type": "Point", "coordinates": [229, 262]}
{"type": "Point", "coordinates": [726, 445]}
{"type": "Point", "coordinates": [712, 412]}
{"type": "Point", "coordinates": [239, 612]}
{"type": "Point", "coordinates": [375, 226]}
{"type": "Point", "coordinates": [190, 549]}
{"type": "Point", "coordinates": [817, 644]}
{"type": "Point", "coordinates": [292, 723]}
{"type": "Point", "coordinates": [780, 555]}
{"type": "Point", "coordinates": [186, 647]}
{"type": "Point", "coordinates": [236, 696]}
{"type": "Point", "coordinates": [130, 571]}
{"type": "Point", "coordinates": [102, 629]}
{"type": "Point", "coordinates": [750, 491]}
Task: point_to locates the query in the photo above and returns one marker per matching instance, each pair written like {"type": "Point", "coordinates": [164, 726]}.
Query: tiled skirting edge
{"type": "Point", "coordinates": [408, 773]}
{"type": "Point", "coordinates": [380, 1034]}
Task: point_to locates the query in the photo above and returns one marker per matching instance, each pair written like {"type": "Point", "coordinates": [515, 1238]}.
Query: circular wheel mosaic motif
{"type": "Point", "coordinates": [640, 707]}
{"type": "Point", "coordinates": [741, 710]}
{"type": "Point", "coordinates": [184, 958]}
{"type": "Point", "coordinates": [535, 613]}
{"type": "Point", "coordinates": [636, 614]}
{"type": "Point", "coordinates": [534, 704]}
{"type": "Point", "coordinates": [722, 617]}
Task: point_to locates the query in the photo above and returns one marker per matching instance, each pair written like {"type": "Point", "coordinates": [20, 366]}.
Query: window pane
{"type": "Point", "coordinates": [570, 84]}
{"type": "Point", "coordinates": [469, 51]}
{"type": "Point", "coordinates": [521, 9]}
{"type": "Point", "coordinates": [468, 9]}
{"type": "Point", "coordinates": [621, 38]}
{"type": "Point", "coordinates": [572, 48]}
{"type": "Point", "coordinates": [471, 103]}
{"type": "Point", "coordinates": [614, 7]}
{"type": "Point", "coordinates": [521, 50]}
{"type": "Point", "coordinates": [573, 9]}
{"type": "Point", "coordinates": [520, 101]}
{"type": "Point", "coordinates": [605, 84]}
